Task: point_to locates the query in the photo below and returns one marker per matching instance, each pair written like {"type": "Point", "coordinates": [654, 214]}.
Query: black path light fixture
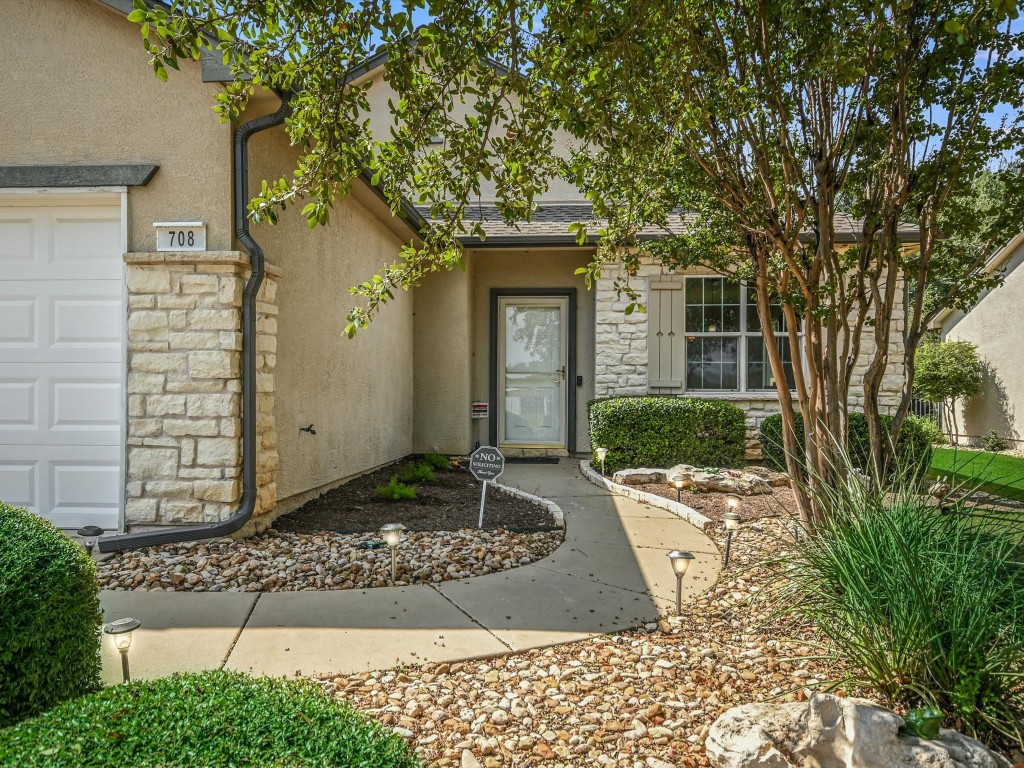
{"type": "Point", "coordinates": [89, 534]}
{"type": "Point", "coordinates": [680, 560]}
{"type": "Point", "coordinates": [678, 482]}
{"type": "Point", "coordinates": [732, 523]}
{"type": "Point", "coordinates": [392, 533]}
{"type": "Point", "coordinates": [121, 630]}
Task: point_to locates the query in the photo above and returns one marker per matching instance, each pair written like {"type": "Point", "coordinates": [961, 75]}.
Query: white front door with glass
{"type": "Point", "coordinates": [532, 371]}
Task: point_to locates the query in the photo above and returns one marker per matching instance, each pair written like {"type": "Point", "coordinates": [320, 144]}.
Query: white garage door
{"type": "Point", "coordinates": [61, 320]}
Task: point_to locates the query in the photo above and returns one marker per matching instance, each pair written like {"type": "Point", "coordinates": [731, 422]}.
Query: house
{"type": "Point", "coordinates": [994, 324]}
{"type": "Point", "coordinates": [145, 389]}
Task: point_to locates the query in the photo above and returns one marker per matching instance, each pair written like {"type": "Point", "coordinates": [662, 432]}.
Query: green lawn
{"type": "Point", "coordinates": [992, 472]}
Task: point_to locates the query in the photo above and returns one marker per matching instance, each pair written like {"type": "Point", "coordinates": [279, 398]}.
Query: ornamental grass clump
{"type": "Point", "coordinates": [922, 605]}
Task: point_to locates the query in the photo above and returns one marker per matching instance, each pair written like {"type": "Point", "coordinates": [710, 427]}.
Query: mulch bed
{"type": "Point", "coordinates": [450, 503]}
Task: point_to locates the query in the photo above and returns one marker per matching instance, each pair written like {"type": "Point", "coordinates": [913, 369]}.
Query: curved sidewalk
{"type": "Point", "coordinates": [610, 574]}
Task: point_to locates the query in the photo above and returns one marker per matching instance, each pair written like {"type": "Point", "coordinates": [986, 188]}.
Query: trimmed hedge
{"type": "Point", "coordinates": [913, 449]}
{"type": "Point", "coordinates": [658, 431]}
{"type": "Point", "coordinates": [49, 617]}
{"type": "Point", "coordinates": [205, 719]}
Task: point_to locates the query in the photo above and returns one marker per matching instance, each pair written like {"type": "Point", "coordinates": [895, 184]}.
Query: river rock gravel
{"type": "Point", "coordinates": [644, 698]}
{"type": "Point", "coordinates": [290, 562]}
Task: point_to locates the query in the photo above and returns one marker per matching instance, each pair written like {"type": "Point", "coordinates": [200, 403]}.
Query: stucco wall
{"type": "Point", "coordinates": [442, 361]}
{"type": "Point", "coordinates": [531, 269]}
{"type": "Point", "coordinates": [358, 393]}
{"type": "Point", "coordinates": [381, 122]}
{"type": "Point", "coordinates": [996, 326]}
{"type": "Point", "coordinates": [78, 90]}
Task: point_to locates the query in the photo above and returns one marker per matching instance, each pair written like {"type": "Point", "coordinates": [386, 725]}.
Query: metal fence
{"type": "Point", "coordinates": [927, 409]}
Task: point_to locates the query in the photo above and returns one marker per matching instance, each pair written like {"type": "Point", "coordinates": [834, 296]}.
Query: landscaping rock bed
{"type": "Point", "coordinates": [277, 561]}
{"type": "Point", "coordinates": [779, 503]}
{"type": "Point", "coordinates": [639, 699]}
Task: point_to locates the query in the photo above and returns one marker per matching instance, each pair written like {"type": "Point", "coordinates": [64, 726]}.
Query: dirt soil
{"type": "Point", "coordinates": [450, 503]}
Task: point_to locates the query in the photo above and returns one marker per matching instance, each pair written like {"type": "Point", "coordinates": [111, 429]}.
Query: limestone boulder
{"type": "Point", "coordinates": [698, 478]}
{"type": "Point", "coordinates": [832, 732]}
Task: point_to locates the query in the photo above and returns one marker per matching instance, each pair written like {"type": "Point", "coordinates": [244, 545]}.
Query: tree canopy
{"type": "Point", "coordinates": [751, 119]}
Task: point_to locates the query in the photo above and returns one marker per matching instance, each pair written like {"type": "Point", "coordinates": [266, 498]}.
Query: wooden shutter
{"type": "Point", "coordinates": [665, 342]}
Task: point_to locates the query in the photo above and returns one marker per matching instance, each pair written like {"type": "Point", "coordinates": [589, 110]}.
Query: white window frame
{"type": "Point", "coordinates": [744, 340]}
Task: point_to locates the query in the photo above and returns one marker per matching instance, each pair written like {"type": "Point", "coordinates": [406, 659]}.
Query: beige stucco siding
{"type": "Point", "coordinates": [442, 361]}
{"type": "Point", "coordinates": [996, 326]}
{"type": "Point", "coordinates": [358, 393]}
{"type": "Point", "coordinates": [78, 89]}
{"type": "Point", "coordinates": [381, 122]}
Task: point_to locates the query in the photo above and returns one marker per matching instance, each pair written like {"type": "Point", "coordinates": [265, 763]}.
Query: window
{"type": "Point", "coordinates": [705, 335]}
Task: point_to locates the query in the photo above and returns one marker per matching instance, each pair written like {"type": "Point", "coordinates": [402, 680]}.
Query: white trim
{"type": "Point", "coordinates": [67, 194]}
{"type": "Point", "coordinates": [121, 521]}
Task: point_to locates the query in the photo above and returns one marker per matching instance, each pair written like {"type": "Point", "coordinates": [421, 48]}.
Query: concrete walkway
{"type": "Point", "coordinates": [610, 574]}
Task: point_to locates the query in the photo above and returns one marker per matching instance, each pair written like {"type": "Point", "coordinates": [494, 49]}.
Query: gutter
{"type": "Point", "coordinates": [174, 535]}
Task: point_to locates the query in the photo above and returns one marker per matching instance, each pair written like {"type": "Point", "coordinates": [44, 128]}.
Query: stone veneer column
{"type": "Point", "coordinates": [184, 387]}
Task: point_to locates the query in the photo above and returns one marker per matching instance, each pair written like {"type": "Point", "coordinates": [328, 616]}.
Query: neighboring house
{"type": "Point", "coordinates": [123, 375]}
{"type": "Point", "coordinates": [996, 326]}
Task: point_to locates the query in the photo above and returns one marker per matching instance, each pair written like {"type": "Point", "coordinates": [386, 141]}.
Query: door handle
{"type": "Point", "coordinates": [561, 372]}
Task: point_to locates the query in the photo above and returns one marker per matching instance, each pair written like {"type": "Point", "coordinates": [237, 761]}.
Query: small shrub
{"type": "Point", "coordinates": [396, 491]}
{"type": "Point", "coordinates": [931, 429]}
{"type": "Point", "coordinates": [993, 443]}
{"type": "Point", "coordinates": [925, 609]}
{"type": "Point", "coordinates": [913, 449]}
{"type": "Point", "coordinates": [421, 473]}
{"type": "Point", "coordinates": [653, 431]}
{"type": "Point", "coordinates": [437, 461]}
{"type": "Point", "coordinates": [206, 719]}
{"type": "Point", "coordinates": [49, 617]}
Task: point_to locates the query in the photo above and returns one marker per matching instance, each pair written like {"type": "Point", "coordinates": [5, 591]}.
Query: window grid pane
{"type": "Point", "coordinates": [716, 313]}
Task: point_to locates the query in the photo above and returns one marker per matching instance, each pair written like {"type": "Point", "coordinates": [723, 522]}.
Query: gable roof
{"type": "Point", "coordinates": [1009, 257]}
{"type": "Point", "coordinates": [549, 226]}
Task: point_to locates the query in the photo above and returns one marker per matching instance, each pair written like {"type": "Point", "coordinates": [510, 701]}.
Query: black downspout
{"type": "Point", "coordinates": [245, 509]}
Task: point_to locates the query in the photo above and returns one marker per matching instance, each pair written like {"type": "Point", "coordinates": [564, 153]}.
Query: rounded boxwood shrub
{"type": "Point", "coordinates": [913, 449]}
{"type": "Point", "coordinates": [658, 431]}
{"type": "Point", "coordinates": [49, 616]}
{"type": "Point", "coordinates": [207, 718]}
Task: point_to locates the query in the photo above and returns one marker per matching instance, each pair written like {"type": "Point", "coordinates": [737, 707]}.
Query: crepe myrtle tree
{"type": "Point", "coordinates": [749, 119]}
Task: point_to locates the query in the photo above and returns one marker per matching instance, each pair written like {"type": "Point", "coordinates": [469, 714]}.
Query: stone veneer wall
{"type": "Point", "coordinates": [184, 387]}
{"type": "Point", "coordinates": [622, 355]}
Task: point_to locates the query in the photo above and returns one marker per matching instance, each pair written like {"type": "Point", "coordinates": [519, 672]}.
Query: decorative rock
{"type": "Point", "coordinates": [721, 480]}
{"type": "Point", "coordinates": [832, 732]}
{"type": "Point", "coordinates": [276, 561]}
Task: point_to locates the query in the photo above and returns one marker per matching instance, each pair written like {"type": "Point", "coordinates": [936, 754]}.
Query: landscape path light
{"type": "Point", "coordinates": [121, 630]}
{"type": "Point", "coordinates": [680, 565]}
{"type": "Point", "coordinates": [392, 533]}
{"type": "Point", "coordinates": [678, 483]}
{"type": "Point", "coordinates": [732, 524]}
{"type": "Point", "coordinates": [89, 534]}
{"type": "Point", "coordinates": [602, 454]}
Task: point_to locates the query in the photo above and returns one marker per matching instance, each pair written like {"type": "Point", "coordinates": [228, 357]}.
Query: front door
{"type": "Point", "coordinates": [532, 370]}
